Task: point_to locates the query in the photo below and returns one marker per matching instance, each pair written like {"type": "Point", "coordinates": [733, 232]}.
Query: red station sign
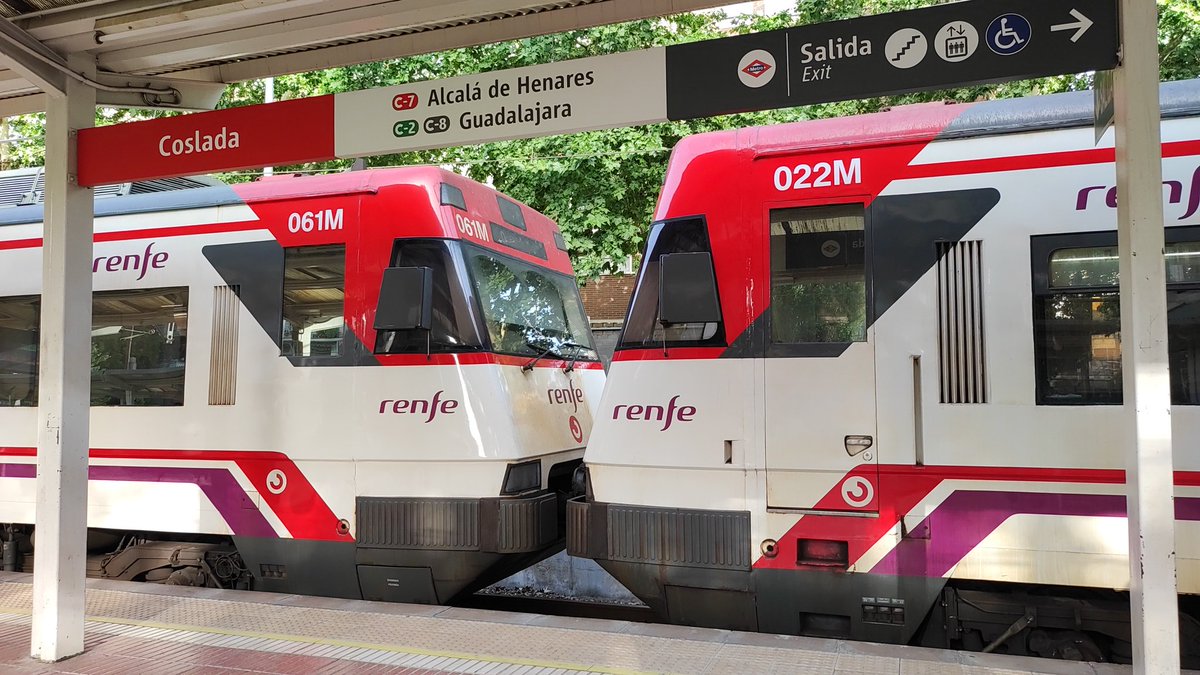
{"type": "Point", "coordinates": [287, 132]}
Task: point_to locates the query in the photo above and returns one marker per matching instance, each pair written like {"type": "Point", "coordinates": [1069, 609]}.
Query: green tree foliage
{"type": "Point", "coordinates": [601, 186]}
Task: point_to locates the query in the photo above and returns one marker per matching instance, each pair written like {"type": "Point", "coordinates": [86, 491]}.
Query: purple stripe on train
{"type": "Point", "coordinates": [219, 485]}
{"type": "Point", "coordinates": [960, 523]}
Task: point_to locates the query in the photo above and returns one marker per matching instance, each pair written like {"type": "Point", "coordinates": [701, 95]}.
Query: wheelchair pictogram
{"type": "Point", "coordinates": [1008, 34]}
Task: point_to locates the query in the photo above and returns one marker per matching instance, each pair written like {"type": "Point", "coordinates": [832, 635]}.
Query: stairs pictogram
{"type": "Point", "coordinates": [903, 50]}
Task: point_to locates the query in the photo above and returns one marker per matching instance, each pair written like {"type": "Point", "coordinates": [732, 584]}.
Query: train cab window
{"type": "Point", "coordinates": [139, 347]}
{"type": "Point", "coordinates": [818, 275]}
{"type": "Point", "coordinates": [455, 324]}
{"type": "Point", "coordinates": [314, 282]}
{"type": "Point", "coordinates": [511, 213]}
{"type": "Point", "coordinates": [529, 310]}
{"type": "Point", "coordinates": [19, 321]}
{"type": "Point", "coordinates": [1077, 321]}
{"type": "Point", "coordinates": [643, 327]}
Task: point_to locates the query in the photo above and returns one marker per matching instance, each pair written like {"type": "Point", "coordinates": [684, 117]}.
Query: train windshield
{"type": "Point", "coordinates": [529, 310]}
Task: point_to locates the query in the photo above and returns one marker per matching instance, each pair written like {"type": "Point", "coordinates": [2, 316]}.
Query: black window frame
{"type": "Point", "coordinates": [346, 337]}
{"type": "Point", "coordinates": [460, 273]}
{"type": "Point", "coordinates": [818, 349]}
{"type": "Point", "coordinates": [1042, 248]}
{"type": "Point", "coordinates": [99, 374]}
{"type": "Point", "coordinates": [34, 377]}
{"type": "Point", "coordinates": [511, 213]}
{"type": "Point", "coordinates": [647, 292]}
{"type": "Point", "coordinates": [452, 195]}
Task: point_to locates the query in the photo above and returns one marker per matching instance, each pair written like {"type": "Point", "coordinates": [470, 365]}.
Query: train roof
{"type": "Point", "coordinates": [931, 120]}
{"type": "Point", "coordinates": [22, 190]}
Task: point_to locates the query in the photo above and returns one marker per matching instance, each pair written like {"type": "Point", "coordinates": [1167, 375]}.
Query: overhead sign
{"type": "Point", "coordinates": [556, 98]}
{"type": "Point", "coordinates": [288, 132]}
{"type": "Point", "coordinates": [949, 45]}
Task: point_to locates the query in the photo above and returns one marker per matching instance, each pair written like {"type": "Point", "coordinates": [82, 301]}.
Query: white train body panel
{"type": "Point", "coordinates": [305, 439]}
{"type": "Point", "coordinates": [1024, 486]}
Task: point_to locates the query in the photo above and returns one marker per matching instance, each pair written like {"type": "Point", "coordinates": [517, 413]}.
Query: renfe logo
{"type": "Point", "coordinates": [1173, 195]}
{"type": "Point", "coordinates": [133, 261]}
{"type": "Point", "coordinates": [656, 413]}
{"type": "Point", "coordinates": [564, 396]}
{"type": "Point", "coordinates": [419, 406]}
{"type": "Point", "coordinates": [198, 142]}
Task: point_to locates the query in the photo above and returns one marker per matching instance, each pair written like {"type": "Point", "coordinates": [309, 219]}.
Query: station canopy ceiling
{"type": "Point", "coordinates": [197, 46]}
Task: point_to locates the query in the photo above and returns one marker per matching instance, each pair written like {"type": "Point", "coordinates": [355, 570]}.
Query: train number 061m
{"type": "Point", "coordinates": [309, 221]}
{"type": "Point", "coordinates": [819, 175]}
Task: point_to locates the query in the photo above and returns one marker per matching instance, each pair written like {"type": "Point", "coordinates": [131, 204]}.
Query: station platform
{"type": "Point", "coordinates": [152, 629]}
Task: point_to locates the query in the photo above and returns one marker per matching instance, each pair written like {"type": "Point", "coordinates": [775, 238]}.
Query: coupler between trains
{"type": "Point", "coordinates": [694, 567]}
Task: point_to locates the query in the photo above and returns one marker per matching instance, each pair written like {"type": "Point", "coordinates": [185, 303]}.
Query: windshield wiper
{"type": "Point", "coordinates": [552, 350]}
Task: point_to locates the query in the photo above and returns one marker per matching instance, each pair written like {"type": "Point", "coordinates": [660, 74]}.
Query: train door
{"type": "Point", "coordinates": [820, 374]}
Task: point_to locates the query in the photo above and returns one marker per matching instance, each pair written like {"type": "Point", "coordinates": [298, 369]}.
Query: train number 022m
{"type": "Point", "coordinates": [819, 175]}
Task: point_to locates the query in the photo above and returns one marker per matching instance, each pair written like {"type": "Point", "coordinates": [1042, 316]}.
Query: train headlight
{"type": "Point", "coordinates": [522, 477]}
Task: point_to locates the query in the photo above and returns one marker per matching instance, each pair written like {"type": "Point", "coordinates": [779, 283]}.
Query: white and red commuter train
{"type": "Point", "coordinates": [374, 384]}
{"type": "Point", "coordinates": [867, 383]}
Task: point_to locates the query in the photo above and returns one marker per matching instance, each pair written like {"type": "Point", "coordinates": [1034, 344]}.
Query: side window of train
{"type": "Point", "coordinates": [19, 321]}
{"type": "Point", "coordinates": [644, 327]}
{"type": "Point", "coordinates": [818, 275]}
{"type": "Point", "coordinates": [454, 321]}
{"type": "Point", "coordinates": [314, 284]}
{"type": "Point", "coordinates": [1077, 318]}
{"type": "Point", "coordinates": [139, 346]}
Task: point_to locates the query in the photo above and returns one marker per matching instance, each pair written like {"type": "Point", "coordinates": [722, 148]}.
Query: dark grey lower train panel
{"type": "Point", "coordinates": [431, 550]}
{"type": "Point", "coordinates": [693, 567]}
{"type": "Point", "coordinates": [300, 566]}
{"type": "Point", "coordinates": [408, 549]}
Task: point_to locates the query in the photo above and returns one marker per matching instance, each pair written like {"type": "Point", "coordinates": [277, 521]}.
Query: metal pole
{"type": "Point", "coordinates": [268, 97]}
{"type": "Point", "coordinates": [64, 383]}
{"type": "Point", "coordinates": [1147, 386]}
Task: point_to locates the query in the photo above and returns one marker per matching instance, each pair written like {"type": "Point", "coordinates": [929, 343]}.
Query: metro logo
{"type": "Point", "coordinates": [756, 68]}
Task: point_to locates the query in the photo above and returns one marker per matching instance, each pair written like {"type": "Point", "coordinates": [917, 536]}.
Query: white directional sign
{"type": "Point", "coordinates": [592, 93]}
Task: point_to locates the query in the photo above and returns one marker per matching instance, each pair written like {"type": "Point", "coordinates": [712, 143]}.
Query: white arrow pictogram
{"type": "Point", "coordinates": [1080, 25]}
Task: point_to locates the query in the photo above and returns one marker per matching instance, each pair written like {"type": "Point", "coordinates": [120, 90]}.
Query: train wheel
{"type": "Point", "coordinates": [187, 576]}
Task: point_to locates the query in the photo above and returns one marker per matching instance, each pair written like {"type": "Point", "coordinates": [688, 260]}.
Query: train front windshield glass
{"type": "Point", "coordinates": [528, 310]}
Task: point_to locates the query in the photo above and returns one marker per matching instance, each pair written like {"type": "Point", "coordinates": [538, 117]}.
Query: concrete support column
{"type": "Point", "coordinates": [1147, 385]}
{"type": "Point", "coordinates": [64, 383]}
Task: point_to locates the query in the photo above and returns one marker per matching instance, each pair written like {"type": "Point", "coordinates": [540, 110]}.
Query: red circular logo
{"type": "Point", "coordinates": [576, 430]}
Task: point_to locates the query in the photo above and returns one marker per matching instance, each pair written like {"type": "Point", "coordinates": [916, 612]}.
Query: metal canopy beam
{"type": "Point", "coordinates": [18, 98]}
{"type": "Point", "coordinates": [237, 40]}
{"type": "Point", "coordinates": [29, 57]}
{"type": "Point", "coordinates": [425, 42]}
